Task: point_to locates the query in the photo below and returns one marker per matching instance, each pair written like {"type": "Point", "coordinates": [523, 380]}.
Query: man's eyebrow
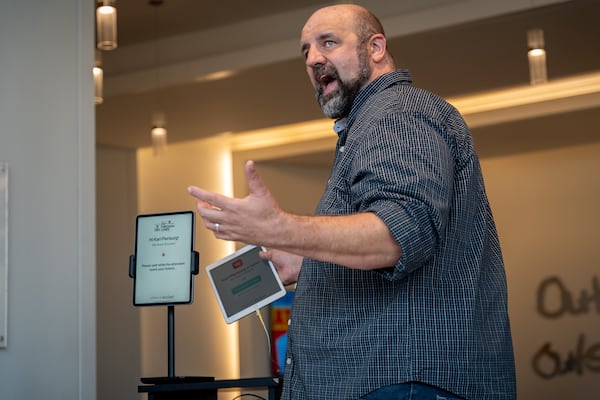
{"type": "Point", "coordinates": [325, 36]}
{"type": "Point", "coordinates": [320, 38]}
{"type": "Point", "coordinates": [304, 48]}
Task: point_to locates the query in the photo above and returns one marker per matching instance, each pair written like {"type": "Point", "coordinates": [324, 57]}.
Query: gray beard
{"type": "Point", "coordinates": [337, 106]}
{"type": "Point", "coordinates": [339, 103]}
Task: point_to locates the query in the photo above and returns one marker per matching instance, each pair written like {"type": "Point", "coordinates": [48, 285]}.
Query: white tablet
{"type": "Point", "coordinates": [164, 247]}
{"type": "Point", "coordinates": [243, 283]}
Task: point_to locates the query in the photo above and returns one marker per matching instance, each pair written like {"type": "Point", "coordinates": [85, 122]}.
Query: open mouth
{"type": "Point", "coordinates": [327, 82]}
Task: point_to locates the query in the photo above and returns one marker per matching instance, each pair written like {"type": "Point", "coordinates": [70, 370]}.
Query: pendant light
{"type": "Point", "coordinates": [158, 132]}
{"type": "Point", "coordinates": [98, 79]}
{"type": "Point", "coordinates": [536, 55]}
{"type": "Point", "coordinates": [106, 25]}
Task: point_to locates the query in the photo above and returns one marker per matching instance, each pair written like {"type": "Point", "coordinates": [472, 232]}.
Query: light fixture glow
{"type": "Point", "coordinates": [215, 76]}
{"type": "Point", "coordinates": [98, 74]}
{"type": "Point", "coordinates": [536, 55]}
{"type": "Point", "coordinates": [106, 25]}
{"type": "Point", "coordinates": [159, 133]}
{"type": "Point", "coordinates": [159, 140]}
{"type": "Point", "coordinates": [536, 52]}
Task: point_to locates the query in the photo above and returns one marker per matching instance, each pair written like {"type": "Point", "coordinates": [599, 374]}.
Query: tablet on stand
{"type": "Point", "coordinates": [162, 269]}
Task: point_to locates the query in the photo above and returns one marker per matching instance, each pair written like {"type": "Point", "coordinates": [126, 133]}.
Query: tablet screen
{"type": "Point", "coordinates": [243, 283]}
{"type": "Point", "coordinates": [163, 259]}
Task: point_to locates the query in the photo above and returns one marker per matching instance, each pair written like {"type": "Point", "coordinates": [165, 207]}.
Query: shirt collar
{"type": "Point", "coordinates": [400, 76]}
{"type": "Point", "coordinates": [340, 125]}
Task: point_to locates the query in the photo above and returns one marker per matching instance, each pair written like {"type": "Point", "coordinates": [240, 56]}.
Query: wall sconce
{"type": "Point", "coordinates": [537, 56]}
{"type": "Point", "coordinates": [98, 77]}
{"type": "Point", "coordinates": [159, 134]}
{"type": "Point", "coordinates": [106, 24]}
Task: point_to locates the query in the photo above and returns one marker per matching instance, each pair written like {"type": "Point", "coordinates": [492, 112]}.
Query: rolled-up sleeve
{"type": "Point", "coordinates": [403, 172]}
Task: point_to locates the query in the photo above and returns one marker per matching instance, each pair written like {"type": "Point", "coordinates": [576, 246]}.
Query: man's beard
{"type": "Point", "coordinates": [338, 103]}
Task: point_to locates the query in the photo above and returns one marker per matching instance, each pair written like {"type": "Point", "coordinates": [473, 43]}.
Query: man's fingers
{"type": "Point", "coordinates": [256, 185]}
{"type": "Point", "coordinates": [198, 193]}
{"type": "Point", "coordinates": [208, 199]}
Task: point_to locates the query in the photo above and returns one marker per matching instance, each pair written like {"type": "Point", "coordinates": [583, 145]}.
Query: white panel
{"type": "Point", "coordinates": [3, 253]}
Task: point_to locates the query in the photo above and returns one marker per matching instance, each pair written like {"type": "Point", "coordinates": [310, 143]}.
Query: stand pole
{"type": "Point", "coordinates": [171, 339]}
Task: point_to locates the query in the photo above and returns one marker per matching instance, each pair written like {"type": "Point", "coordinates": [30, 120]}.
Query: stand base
{"type": "Point", "coordinates": [176, 379]}
{"type": "Point", "coordinates": [207, 390]}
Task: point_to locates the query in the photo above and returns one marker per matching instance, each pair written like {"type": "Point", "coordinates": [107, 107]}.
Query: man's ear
{"type": "Point", "coordinates": [378, 45]}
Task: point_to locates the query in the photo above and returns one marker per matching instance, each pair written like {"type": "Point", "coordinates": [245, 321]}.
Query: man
{"type": "Point", "coordinates": [401, 289]}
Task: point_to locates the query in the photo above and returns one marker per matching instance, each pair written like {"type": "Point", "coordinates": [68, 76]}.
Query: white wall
{"type": "Point", "coordinates": [118, 321]}
{"type": "Point", "coordinates": [47, 139]}
{"type": "Point", "coordinates": [298, 187]}
{"type": "Point", "coordinates": [546, 208]}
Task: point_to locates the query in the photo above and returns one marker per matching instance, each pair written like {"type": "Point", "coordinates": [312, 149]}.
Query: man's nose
{"type": "Point", "coordinates": [314, 58]}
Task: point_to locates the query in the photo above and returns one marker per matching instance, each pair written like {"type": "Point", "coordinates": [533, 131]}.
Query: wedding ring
{"type": "Point", "coordinates": [217, 227]}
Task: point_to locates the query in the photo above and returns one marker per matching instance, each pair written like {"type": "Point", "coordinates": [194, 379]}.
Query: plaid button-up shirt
{"type": "Point", "coordinates": [439, 316]}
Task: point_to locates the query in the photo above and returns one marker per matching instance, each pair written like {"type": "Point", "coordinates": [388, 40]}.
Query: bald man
{"type": "Point", "coordinates": [400, 283]}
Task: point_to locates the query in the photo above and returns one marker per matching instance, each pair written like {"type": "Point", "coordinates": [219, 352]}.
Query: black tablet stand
{"type": "Point", "coordinates": [170, 317]}
{"type": "Point", "coordinates": [174, 387]}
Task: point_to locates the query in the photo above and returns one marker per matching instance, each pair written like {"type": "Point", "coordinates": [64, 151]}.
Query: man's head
{"type": "Point", "coordinates": [345, 49]}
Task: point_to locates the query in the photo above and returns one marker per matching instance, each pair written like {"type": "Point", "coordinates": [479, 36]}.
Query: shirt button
{"type": "Point", "coordinates": [288, 361]}
{"type": "Point", "coordinates": [342, 149]}
{"type": "Point", "coordinates": [289, 322]}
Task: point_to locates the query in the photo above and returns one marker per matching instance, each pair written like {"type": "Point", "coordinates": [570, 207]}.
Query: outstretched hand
{"type": "Point", "coordinates": [250, 219]}
{"type": "Point", "coordinates": [257, 219]}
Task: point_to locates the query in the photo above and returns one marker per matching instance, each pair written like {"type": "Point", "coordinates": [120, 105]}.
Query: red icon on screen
{"type": "Point", "coordinates": [237, 263]}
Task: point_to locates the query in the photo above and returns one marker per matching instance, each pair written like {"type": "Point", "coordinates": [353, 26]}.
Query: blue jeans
{"type": "Point", "coordinates": [410, 391]}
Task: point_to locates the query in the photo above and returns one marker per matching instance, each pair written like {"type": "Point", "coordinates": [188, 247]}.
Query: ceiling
{"type": "Point", "coordinates": [452, 47]}
{"type": "Point", "coordinates": [138, 18]}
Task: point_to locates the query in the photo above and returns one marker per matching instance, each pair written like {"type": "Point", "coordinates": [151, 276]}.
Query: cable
{"type": "Point", "coordinates": [248, 394]}
{"type": "Point", "coordinates": [262, 321]}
